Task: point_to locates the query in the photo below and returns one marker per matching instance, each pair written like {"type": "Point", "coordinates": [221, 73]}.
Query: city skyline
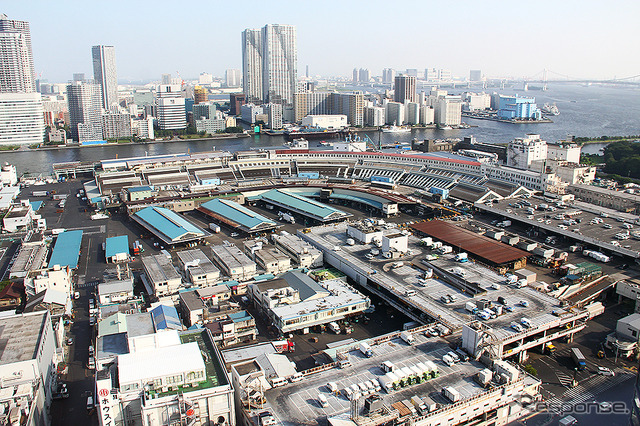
{"type": "Point", "coordinates": [332, 46]}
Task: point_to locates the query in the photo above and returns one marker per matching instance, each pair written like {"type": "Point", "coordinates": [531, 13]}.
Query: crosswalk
{"type": "Point", "coordinates": [586, 391]}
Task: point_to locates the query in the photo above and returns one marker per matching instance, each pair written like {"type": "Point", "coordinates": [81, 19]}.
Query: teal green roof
{"type": "Point", "coordinates": [303, 205]}
{"type": "Point", "coordinates": [362, 200]}
{"type": "Point", "coordinates": [168, 225]}
{"type": "Point", "coordinates": [116, 245]}
{"type": "Point", "coordinates": [237, 213]}
{"type": "Point", "coordinates": [116, 323]}
{"type": "Point", "coordinates": [66, 251]}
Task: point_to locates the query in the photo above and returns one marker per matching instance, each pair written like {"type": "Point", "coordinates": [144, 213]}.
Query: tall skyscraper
{"type": "Point", "coordinates": [85, 110]}
{"type": "Point", "coordinates": [475, 75]}
{"type": "Point", "coordinates": [232, 77]}
{"type": "Point", "coordinates": [252, 65]}
{"type": "Point", "coordinates": [405, 89]}
{"type": "Point", "coordinates": [270, 64]}
{"type": "Point", "coordinates": [105, 73]}
{"type": "Point", "coordinates": [388, 75]}
{"type": "Point", "coordinates": [21, 110]}
{"type": "Point", "coordinates": [280, 63]}
{"type": "Point", "coordinates": [17, 74]}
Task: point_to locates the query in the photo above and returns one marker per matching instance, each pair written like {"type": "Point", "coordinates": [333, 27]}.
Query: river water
{"type": "Point", "coordinates": [591, 111]}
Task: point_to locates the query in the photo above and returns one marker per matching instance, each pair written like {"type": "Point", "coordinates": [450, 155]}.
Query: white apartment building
{"type": "Point", "coordinates": [105, 73]}
{"type": "Point", "coordinates": [412, 113]}
{"type": "Point", "coordinates": [374, 116]}
{"type": "Point", "coordinates": [171, 107]}
{"type": "Point", "coordinates": [232, 77]}
{"type": "Point", "coordinates": [17, 74]}
{"type": "Point", "coordinates": [448, 111]}
{"type": "Point", "coordinates": [143, 128]}
{"type": "Point", "coordinates": [116, 124]}
{"type": "Point", "coordinates": [249, 112]}
{"type": "Point", "coordinates": [280, 63]}
{"type": "Point", "coordinates": [521, 152]}
{"type": "Point", "coordinates": [21, 119]}
{"type": "Point", "coordinates": [85, 111]}
{"type": "Point", "coordinates": [252, 65]}
{"type": "Point", "coordinates": [395, 113]}
{"type": "Point", "coordinates": [427, 114]}
{"type": "Point", "coordinates": [274, 114]}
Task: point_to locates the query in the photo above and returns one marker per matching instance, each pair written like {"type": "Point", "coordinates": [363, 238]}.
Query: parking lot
{"type": "Point", "coordinates": [298, 402]}
{"type": "Point", "coordinates": [578, 220]}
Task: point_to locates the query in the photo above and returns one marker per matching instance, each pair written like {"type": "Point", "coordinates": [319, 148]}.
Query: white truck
{"type": "Point", "coordinates": [365, 349]}
{"type": "Point", "coordinates": [451, 393]}
{"type": "Point", "coordinates": [407, 337]}
{"type": "Point", "coordinates": [461, 257]}
{"type": "Point", "coordinates": [597, 255]}
{"type": "Point", "coordinates": [214, 227]}
{"type": "Point", "coordinates": [288, 218]}
{"type": "Point", "coordinates": [445, 249]}
{"type": "Point", "coordinates": [333, 326]}
{"type": "Point", "coordinates": [471, 307]}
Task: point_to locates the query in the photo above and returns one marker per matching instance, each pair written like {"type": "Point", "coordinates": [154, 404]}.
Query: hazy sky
{"type": "Point", "coordinates": [592, 39]}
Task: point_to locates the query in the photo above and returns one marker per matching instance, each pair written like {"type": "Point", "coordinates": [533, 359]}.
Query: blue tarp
{"type": "Point", "coordinates": [66, 251]}
{"type": "Point", "coordinates": [35, 205]}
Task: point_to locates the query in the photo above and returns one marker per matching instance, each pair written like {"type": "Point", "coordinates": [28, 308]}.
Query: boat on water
{"type": "Point", "coordinates": [396, 129]}
{"type": "Point", "coordinates": [550, 109]}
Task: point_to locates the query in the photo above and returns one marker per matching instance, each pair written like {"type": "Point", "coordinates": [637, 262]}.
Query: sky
{"type": "Point", "coordinates": [576, 39]}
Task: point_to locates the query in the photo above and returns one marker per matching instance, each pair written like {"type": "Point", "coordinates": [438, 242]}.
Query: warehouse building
{"type": "Point", "coordinates": [236, 216]}
{"type": "Point", "coordinates": [617, 200]}
{"type": "Point", "coordinates": [66, 250]}
{"type": "Point", "coordinates": [197, 268]}
{"type": "Point", "coordinates": [161, 275]}
{"type": "Point", "coordinates": [117, 249]}
{"type": "Point", "coordinates": [301, 252]}
{"type": "Point", "coordinates": [233, 262]}
{"type": "Point", "coordinates": [302, 205]}
{"type": "Point", "coordinates": [269, 259]}
{"type": "Point", "coordinates": [170, 227]}
{"type": "Point", "coordinates": [295, 301]}
{"type": "Point", "coordinates": [487, 250]}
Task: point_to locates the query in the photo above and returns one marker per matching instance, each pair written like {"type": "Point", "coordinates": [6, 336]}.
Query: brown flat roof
{"type": "Point", "coordinates": [476, 245]}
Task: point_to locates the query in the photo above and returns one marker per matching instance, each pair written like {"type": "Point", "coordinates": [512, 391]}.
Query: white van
{"type": "Point", "coordinates": [410, 293]}
{"type": "Point", "coordinates": [333, 387]}
{"type": "Point", "coordinates": [278, 381]}
{"type": "Point", "coordinates": [322, 400]}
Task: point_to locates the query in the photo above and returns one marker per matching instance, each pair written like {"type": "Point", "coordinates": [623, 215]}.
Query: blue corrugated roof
{"type": "Point", "coordinates": [169, 223]}
{"type": "Point", "coordinates": [166, 317]}
{"type": "Point", "coordinates": [116, 245]}
{"type": "Point", "coordinates": [363, 200]}
{"type": "Point", "coordinates": [300, 203]}
{"type": "Point", "coordinates": [237, 213]}
{"type": "Point", "coordinates": [66, 251]}
{"type": "Point", "coordinates": [139, 188]}
{"type": "Point", "coordinates": [240, 316]}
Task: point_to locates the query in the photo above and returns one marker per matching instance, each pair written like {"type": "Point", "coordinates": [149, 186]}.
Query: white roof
{"type": "Point", "coordinates": [56, 296]}
{"type": "Point", "coordinates": [167, 361]}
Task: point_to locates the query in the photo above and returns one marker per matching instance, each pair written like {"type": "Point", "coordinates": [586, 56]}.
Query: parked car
{"type": "Point", "coordinates": [70, 341]}
{"type": "Point", "coordinates": [604, 371]}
